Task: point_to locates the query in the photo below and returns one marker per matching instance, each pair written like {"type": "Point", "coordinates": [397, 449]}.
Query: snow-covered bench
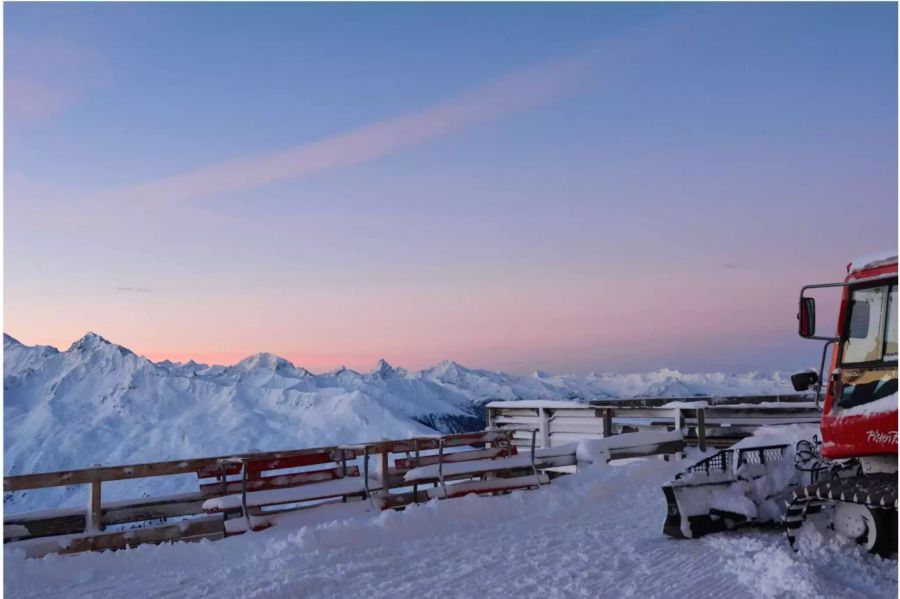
{"type": "Point", "coordinates": [490, 465]}
{"type": "Point", "coordinates": [277, 483]}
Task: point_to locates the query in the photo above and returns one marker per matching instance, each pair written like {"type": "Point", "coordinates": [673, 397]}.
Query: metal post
{"type": "Point", "coordinates": [537, 478]}
{"type": "Point", "coordinates": [223, 472]}
{"type": "Point", "coordinates": [384, 467]}
{"type": "Point", "coordinates": [244, 494]}
{"type": "Point", "coordinates": [343, 470]}
{"type": "Point", "coordinates": [822, 371]}
{"type": "Point", "coordinates": [441, 466]}
{"type": "Point", "coordinates": [366, 476]}
{"type": "Point", "coordinates": [545, 427]}
{"type": "Point", "coordinates": [416, 486]}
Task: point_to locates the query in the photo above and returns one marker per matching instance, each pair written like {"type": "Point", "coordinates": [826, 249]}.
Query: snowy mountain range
{"type": "Point", "coordinates": [100, 403]}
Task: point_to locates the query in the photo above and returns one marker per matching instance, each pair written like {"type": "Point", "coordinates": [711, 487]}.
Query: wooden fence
{"type": "Point", "coordinates": [704, 422]}
{"type": "Point", "coordinates": [112, 525]}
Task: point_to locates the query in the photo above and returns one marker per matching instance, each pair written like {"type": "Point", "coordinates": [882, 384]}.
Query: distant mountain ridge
{"type": "Point", "coordinates": [100, 403]}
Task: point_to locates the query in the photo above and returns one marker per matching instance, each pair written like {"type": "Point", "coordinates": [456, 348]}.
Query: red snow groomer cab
{"type": "Point", "coordinates": [859, 419]}
{"type": "Point", "coordinates": [852, 476]}
{"type": "Point", "coordinates": [860, 413]}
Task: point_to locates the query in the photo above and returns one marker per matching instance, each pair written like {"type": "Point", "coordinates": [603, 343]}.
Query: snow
{"type": "Point", "coordinates": [536, 403]}
{"type": "Point", "coordinates": [100, 403]}
{"type": "Point", "coordinates": [14, 530]}
{"type": "Point", "coordinates": [879, 406]}
{"type": "Point", "coordinates": [481, 486]}
{"type": "Point", "coordinates": [597, 450]}
{"type": "Point", "coordinates": [873, 260]}
{"type": "Point", "coordinates": [756, 491]}
{"type": "Point", "coordinates": [332, 488]}
{"type": "Point", "coordinates": [783, 434]}
{"type": "Point", "coordinates": [593, 534]}
{"type": "Point", "coordinates": [473, 467]}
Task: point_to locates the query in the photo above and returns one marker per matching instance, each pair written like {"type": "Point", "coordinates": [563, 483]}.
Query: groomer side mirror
{"type": "Point", "coordinates": [803, 381]}
{"type": "Point", "coordinates": [807, 317]}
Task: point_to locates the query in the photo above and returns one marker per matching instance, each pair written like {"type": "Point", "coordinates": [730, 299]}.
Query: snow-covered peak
{"type": "Point", "coordinates": [19, 358]}
{"type": "Point", "coordinates": [92, 342]}
{"type": "Point", "coordinates": [446, 371]}
{"type": "Point", "coordinates": [265, 361]}
{"type": "Point", "coordinates": [383, 370]}
{"type": "Point", "coordinates": [671, 386]}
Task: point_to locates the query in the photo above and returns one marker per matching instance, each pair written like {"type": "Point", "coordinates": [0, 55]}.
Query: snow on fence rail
{"type": "Point", "coordinates": [716, 422]}
{"type": "Point", "coordinates": [250, 491]}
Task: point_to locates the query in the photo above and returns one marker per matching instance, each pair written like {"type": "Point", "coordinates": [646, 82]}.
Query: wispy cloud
{"type": "Point", "coordinates": [126, 289]}
{"type": "Point", "coordinates": [512, 93]}
{"type": "Point", "coordinates": [47, 75]}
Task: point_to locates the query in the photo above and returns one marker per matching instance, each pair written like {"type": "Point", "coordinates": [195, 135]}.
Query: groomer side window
{"type": "Point", "coordinates": [866, 339]}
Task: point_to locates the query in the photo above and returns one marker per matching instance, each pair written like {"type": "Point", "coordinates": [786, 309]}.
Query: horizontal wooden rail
{"type": "Point", "coordinates": [40, 480]}
{"type": "Point", "coordinates": [703, 421]}
{"type": "Point", "coordinates": [82, 476]}
{"type": "Point", "coordinates": [150, 520]}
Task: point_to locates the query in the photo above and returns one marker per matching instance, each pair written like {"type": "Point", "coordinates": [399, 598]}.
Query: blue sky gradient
{"type": "Point", "coordinates": [659, 203]}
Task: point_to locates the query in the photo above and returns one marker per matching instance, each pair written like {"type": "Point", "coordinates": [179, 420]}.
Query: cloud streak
{"type": "Point", "coordinates": [48, 75]}
{"type": "Point", "coordinates": [515, 92]}
{"type": "Point", "coordinates": [126, 289]}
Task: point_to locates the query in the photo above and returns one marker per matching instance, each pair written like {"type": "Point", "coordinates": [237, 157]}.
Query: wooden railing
{"type": "Point", "coordinates": [704, 422]}
{"type": "Point", "coordinates": [99, 516]}
{"type": "Point", "coordinates": [150, 520]}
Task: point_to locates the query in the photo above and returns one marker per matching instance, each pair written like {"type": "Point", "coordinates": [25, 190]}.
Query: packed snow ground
{"type": "Point", "coordinates": [99, 403]}
{"type": "Point", "coordinates": [593, 534]}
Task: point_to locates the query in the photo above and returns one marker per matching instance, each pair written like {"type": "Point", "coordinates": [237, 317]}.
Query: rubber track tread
{"type": "Point", "coordinates": [876, 492]}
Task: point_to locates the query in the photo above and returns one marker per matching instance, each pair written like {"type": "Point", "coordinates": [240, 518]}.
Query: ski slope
{"type": "Point", "coordinates": [593, 534]}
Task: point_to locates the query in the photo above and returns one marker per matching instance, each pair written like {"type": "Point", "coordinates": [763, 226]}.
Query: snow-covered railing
{"type": "Point", "coordinates": [235, 492]}
{"type": "Point", "coordinates": [129, 522]}
{"type": "Point", "coordinates": [717, 422]}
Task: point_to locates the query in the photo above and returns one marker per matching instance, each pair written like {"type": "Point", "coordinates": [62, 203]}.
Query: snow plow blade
{"type": "Point", "coordinates": [692, 527]}
{"type": "Point", "coordinates": [731, 488]}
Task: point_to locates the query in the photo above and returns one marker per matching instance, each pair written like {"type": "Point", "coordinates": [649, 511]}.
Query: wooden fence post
{"type": "Point", "coordinates": [545, 427]}
{"type": "Point", "coordinates": [701, 428]}
{"type": "Point", "coordinates": [607, 422]}
{"type": "Point", "coordinates": [94, 516]}
{"type": "Point", "coordinates": [385, 470]}
{"type": "Point", "coordinates": [679, 426]}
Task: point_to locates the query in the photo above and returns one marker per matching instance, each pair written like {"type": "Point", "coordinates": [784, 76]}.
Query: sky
{"type": "Point", "coordinates": [570, 188]}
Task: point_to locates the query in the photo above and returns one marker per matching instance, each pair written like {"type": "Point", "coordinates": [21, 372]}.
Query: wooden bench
{"type": "Point", "coordinates": [490, 465]}
{"type": "Point", "coordinates": [264, 483]}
